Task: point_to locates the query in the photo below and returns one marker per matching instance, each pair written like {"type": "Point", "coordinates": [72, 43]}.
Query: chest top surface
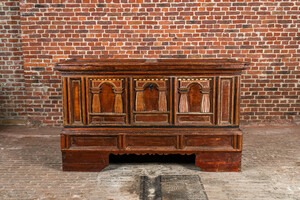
{"type": "Point", "coordinates": [148, 65]}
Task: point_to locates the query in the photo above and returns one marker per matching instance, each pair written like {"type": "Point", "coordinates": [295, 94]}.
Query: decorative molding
{"type": "Point", "coordinates": [150, 79]}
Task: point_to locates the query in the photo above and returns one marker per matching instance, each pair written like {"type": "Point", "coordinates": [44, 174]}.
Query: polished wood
{"type": "Point", "coordinates": [132, 106]}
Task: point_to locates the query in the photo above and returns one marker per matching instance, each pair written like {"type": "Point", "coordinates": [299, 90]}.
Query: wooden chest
{"type": "Point", "coordinates": [176, 106]}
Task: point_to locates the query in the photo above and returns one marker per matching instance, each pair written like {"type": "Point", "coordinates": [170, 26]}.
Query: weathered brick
{"type": "Point", "coordinates": [53, 31]}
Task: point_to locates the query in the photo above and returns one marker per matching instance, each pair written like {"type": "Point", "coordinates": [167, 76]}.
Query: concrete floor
{"type": "Point", "coordinates": [30, 168]}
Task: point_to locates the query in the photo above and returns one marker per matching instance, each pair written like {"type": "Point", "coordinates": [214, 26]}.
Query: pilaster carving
{"type": "Point", "coordinates": [96, 105]}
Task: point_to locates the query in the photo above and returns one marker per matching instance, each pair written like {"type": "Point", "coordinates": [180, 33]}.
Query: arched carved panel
{"type": "Point", "coordinates": [151, 101]}
{"type": "Point", "coordinates": [194, 95]}
{"type": "Point", "coordinates": [194, 98]}
{"type": "Point", "coordinates": [107, 98]}
{"type": "Point", "coordinates": [151, 95]}
{"type": "Point", "coordinates": [194, 101]}
{"type": "Point", "coordinates": [107, 101]}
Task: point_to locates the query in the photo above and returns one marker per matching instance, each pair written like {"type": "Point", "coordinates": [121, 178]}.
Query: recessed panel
{"type": "Point", "coordinates": [108, 119]}
{"type": "Point", "coordinates": [151, 118]}
{"type": "Point", "coordinates": [226, 101]}
{"type": "Point", "coordinates": [74, 104]}
{"type": "Point", "coordinates": [107, 98]}
{"type": "Point", "coordinates": [198, 119]}
{"type": "Point", "coordinates": [207, 141]}
{"type": "Point", "coordinates": [150, 141]}
{"type": "Point", "coordinates": [99, 141]}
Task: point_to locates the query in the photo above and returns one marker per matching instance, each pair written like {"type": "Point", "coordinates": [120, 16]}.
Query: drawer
{"type": "Point", "coordinates": [96, 142]}
{"type": "Point", "coordinates": [153, 142]}
{"type": "Point", "coordinates": [207, 141]}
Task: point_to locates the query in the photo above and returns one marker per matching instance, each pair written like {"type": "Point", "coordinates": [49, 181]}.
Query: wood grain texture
{"type": "Point", "coordinates": [162, 107]}
{"type": "Point", "coordinates": [140, 105]}
{"type": "Point", "coordinates": [194, 98]}
{"type": "Point", "coordinates": [219, 161]}
{"type": "Point", "coordinates": [135, 65]}
{"type": "Point", "coordinates": [84, 161]}
{"type": "Point", "coordinates": [107, 98]}
{"type": "Point", "coordinates": [118, 106]}
{"type": "Point", "coordinates": [94, 141]}
{"type": "Point", "coordinates": [75, 101]}
{"type": "Point", "coordinates": [183, 102]}
{"type": "Point", "coordinates": [151, 96]}
{"type": "Point", "coordinates": [96, 104]}
{"type": "Point", "coordinates": [226, 101]}
{"type": "Point", "coordinates": [146, 118]}
{"type": "Point", "coordinates": [205, 102]}
{"type": "Point", "coordinates": [106, 101]}
{"type": "Point", "coordinates": [162, 102]}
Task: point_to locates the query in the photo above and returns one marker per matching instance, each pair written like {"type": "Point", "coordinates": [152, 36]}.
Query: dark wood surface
{"type": "Point", "coordinates": [151, 107]}
{"type": "Point", "coordinates": [135, 65]}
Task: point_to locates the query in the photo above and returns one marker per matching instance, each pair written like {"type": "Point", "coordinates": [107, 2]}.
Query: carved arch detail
{"type": "Point", "coordinates": [142, 84]}
{"type": "Point", "coordinates": [184, 89]}
{"type": "Point", "coordinates": [117, 85]}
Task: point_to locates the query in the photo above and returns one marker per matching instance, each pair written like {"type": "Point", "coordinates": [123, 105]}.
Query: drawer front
{"type": "Point", "coordinates": [107, 101]}
{"type": "Point", "coordinates": [109, 142]}
{"type": "Point", "coordinates": [211, 142]}
{"type": "Point", "coordinates": [144, 141]}
{"type": "Point", "coordinates": [207, 141]}
{"type": "Point", "coordinates": [151, 101]}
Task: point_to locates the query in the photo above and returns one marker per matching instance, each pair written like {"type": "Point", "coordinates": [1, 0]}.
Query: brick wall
{"type": "Point", "coordinates": [265, 33]}
{"type": "Point", "coordinates": [12, 109]}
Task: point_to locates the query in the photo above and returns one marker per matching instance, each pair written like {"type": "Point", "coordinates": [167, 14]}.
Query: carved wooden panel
{"type": "Point", "coordinates": [151, 98]}
{"type": "Point", "coordinates": [194, 101]}
{"type": "Point", "coordinates": [107, 98]}
{"type": "Point", "coordinates": [194, 98]}
{"type": "Point", "coordinates": [107, 101]}
{"type": "Point", "coordinates": [226, 100]}
{"type": "Point", "coordinates": [73, 95]}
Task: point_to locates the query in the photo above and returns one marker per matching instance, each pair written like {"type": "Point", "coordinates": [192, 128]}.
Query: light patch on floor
{"type": "Point", "coordinates": [172, 187]}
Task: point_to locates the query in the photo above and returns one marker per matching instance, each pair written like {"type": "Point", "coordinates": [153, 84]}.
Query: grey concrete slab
{"type": "Point", "coordinates": [30, 168]}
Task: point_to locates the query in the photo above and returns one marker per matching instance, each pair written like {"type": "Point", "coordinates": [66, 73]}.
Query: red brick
{"type": "Point", "coordinates": [251, 31]}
